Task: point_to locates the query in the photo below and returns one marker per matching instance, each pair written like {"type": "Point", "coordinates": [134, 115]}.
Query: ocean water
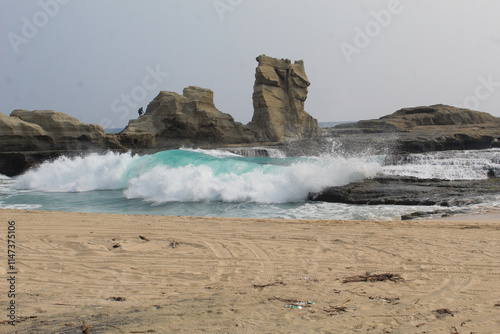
{"type": "Point", "coordinates": [217, 183]}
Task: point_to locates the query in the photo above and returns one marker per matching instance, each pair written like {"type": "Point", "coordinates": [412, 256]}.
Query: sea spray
{"type": "Point", "coordinates": [198, 175]}
{"type": "Point", "coordinates": [80, 174]}
{"type": "Point", "coordinates": [228, 185]}
{"type": "Point", "coordinates": [448, 165]}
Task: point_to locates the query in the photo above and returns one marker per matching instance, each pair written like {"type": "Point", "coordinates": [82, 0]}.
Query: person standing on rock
{"type": "Point", "coordinates": [141, 111]}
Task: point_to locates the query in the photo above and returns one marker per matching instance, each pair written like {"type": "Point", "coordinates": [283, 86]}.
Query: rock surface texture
{"type": "Point", "coordinates": [280, 91]}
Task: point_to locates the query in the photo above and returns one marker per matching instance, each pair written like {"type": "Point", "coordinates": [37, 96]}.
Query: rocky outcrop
{"type": "Point", "coordinates": [399, 190]}
{"type": "Point", "coordinates": [407, 119]}
{"type": "Point", "coordinates": [280, 91]}
{"type": "Point", "coordinates": [43, 130]}
{"type": "Point", "coordinates": [27, 137]}
{"type": "Point", "coordinates": [173, 120]}
{"type": "Point", "coordinates": [421, 129]}
{"type": "Point", "coordinates": [19, 135]}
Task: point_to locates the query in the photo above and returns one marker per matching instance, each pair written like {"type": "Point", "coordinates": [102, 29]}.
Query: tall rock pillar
{"type": "Point", "coordinates": [280, 91]}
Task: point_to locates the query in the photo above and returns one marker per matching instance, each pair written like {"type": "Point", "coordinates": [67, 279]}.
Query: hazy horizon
{"type": "Point", "coordinates": [101, 61]}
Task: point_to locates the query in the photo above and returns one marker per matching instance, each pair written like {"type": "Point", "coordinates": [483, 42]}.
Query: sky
{"type": "Point", "coordinates": [99, 61]}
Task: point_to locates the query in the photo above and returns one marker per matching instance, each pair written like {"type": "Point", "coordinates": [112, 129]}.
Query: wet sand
{"type": "Point", "coordinates": [157, 274]}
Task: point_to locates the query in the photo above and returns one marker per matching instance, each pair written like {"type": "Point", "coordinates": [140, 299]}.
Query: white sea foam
{"type": "Point", "coordinates": [19, 206]}
{"type": "Point", "coordinates": [214, 153]}
{"type": "Point", "coordinates": [185, 177]}
{"type": "Point", "coordinates": [220, 183]}
{"type": "Point", "coordinates": [449, 165]}
{"type": "Point", "coordinates": [263, 185]}
{"type": "Point", "coordinates": [91, 172]}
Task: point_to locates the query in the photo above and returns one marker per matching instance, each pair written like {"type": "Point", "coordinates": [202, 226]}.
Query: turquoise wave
{"type": "Point", "coordinates": [197, 175]}
{"type": "Point", "coordinates": [219, 162]}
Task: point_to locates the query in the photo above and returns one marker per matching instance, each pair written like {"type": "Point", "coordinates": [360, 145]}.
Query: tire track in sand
{"type": "Point", "coordinates": [224, 259]}
{"type": "Point", "coordinates": [265, 259]}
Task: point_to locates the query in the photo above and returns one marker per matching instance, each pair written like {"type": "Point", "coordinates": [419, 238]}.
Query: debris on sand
{"type": "Point", "coordinates": [387, 299]}
{"type": "Point", "coordinates": [374, 278]}
{"type": "Point", "coordinates": [442, 312]}
{"type": "Point", "coordinates": [334, 310]}
{"type": "Point", "coordinates": [86, 329]}
{"type": "Point", "coordinates": [294, 303]}
{"type": "Point", "coordinates": [257, 286]}
{"type": "Point", "coordinates": [117, 299]}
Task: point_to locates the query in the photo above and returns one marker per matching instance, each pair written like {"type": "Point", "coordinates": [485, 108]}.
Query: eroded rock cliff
{"type": "Point", "coordinates": [173, 120]}
{"type": "Point", "coordinates": [280, 91]}
{"type": "Point", "coordinates": [50, 130]}
{"type": "Point", "coordinates": [28, 137]}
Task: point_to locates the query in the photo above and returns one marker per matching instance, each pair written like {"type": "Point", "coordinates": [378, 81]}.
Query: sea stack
{"type": "Point", "coordinates": [191, 119]}
{"type": "Point", "coordinates": [172, 120]}
{"type": "Point", "coordinates": [280, 91]}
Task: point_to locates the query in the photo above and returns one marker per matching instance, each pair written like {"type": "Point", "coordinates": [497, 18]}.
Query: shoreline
{"type": "Point", "coordinates": [121, 273]}
{"type": "Point", "coordinates": [489, 215]}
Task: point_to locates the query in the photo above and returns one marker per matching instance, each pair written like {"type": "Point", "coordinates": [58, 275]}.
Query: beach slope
{"type": "Point", "coordinates": [101, 273]}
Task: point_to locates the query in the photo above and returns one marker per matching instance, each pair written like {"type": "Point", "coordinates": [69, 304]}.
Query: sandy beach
{"type": "Point", "coordinates": [96, 273]}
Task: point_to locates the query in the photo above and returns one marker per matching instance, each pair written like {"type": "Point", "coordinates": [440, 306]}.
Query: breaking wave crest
{"type": "Point", "coordinates": [198, 175]}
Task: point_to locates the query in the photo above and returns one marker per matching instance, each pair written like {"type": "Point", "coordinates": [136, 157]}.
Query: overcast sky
{"type": "Point", "coordinates": [100, 60]}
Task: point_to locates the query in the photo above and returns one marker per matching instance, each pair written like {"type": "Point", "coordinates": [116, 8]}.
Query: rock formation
{"type": "Point", "coordinates": [436, 115]}
{"type": "Point", "coordinates": [402, 190]}
{"type": "Point", "coordinates": [51, 130]}
{"type": "Point", "coordinates": [191, 119]}
{"type": "Point", "coordinates": [26, 137]}
{"type": "Point", "coordinates": [173, 120]}
{"type": "Point", "coordinates": [280, 91]}
{"type": "Point", "coordinates": [421, 129]}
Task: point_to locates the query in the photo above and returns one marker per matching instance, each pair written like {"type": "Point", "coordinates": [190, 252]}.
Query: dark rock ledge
{"type": "Point", "coordinates": [398, 190]}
